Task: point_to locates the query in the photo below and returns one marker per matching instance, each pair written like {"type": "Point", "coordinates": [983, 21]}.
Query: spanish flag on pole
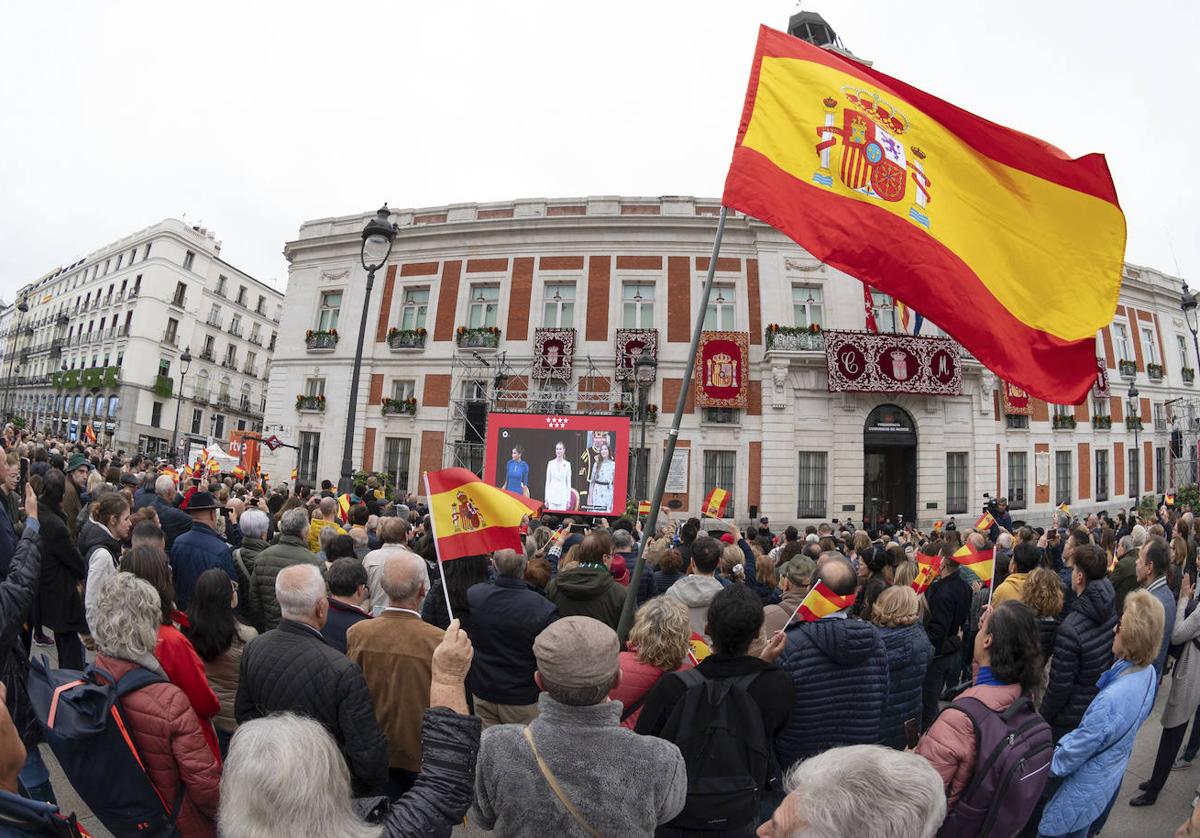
{"type": "Point", "coordinates": [985, 522]}
{"type": "Point", "coordinates": [89, 433]}
{"type": "Point", "coordinates": [643, 508]}
{"type": "Point", "coordinates": [821, 602]}
{"type": "Point", "coordinates": [714, 504]}
{"type": "Point", "coordinates": [344, 504]}
{"type": "Point", "coordinates": [470, 518]}
{"type": "Point", "coordinates": [982, 563]}
{"type": "Point", "coordinates": [937, 207]}
{"type": "Point", "coordinates": [928, 568]}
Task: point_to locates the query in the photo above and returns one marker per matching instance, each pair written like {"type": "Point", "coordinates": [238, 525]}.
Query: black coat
{"type": "Point", "coordinates": [949, 601]}
{"type": "Point", "coordinates": [293, 669]}
{"type": "Point", "coordinates": [506, 617]}
{"type": "Point", "coordinates": [63, 572]}
{"type": "Point", "coordinates": [174, 522]}
{"type": "Point", "coordinates": [1082, 653]}
{"type": "Point", "coordinates": [16, 595]}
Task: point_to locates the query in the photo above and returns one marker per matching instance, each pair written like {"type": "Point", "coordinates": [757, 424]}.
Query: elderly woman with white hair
{"type": "Point", "coordinates": [159, 717]}
{"type": "Point", "coordinates": [286, 776]}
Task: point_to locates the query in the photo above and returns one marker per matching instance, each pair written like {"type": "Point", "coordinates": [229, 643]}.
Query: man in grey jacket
{"type": "Point", "coordinates": [697, 590]}
{"type": "Point", "coordinates": [567, 772]}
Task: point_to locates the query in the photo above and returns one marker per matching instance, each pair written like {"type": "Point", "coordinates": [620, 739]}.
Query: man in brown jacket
{"type": "Point", "coordinates": [395, 652]}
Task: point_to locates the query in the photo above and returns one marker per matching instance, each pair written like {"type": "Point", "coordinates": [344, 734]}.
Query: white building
{"type": "Point", "coordinates": [796, 451]}
{"type": "Point", "coordinates": [102, 340]}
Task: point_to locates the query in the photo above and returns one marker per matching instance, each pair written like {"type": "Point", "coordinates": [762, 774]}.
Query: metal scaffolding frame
{"type": "Point", "coordinates": [1185, 421]}
{"type": "Point", "coordinates": [501, 383]}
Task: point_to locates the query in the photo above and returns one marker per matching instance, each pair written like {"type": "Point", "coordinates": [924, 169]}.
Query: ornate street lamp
{"type": "Point", "coordinates": [644, 369]}
{"type": "Point", "coordinates": [1188, 304]}
{"type": "Point", "coordinates": [185, 361]}
{"type": "Point", "coordinates": [377, 239]}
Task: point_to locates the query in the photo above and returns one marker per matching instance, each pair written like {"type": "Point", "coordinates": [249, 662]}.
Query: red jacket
{"type": "Point", "coordinates": [172, 747]}
{"type": "Point", "coordinates": [949, 744]}
{"type": "Point", "coordinates": [637, 677]}
{"type": "Point", "coordinates": [185, 670]}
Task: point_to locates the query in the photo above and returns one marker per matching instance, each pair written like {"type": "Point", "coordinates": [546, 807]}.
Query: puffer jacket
{"type": "Point", "coordinates": [293, 669]}
{"type": "Point", "coordinates": [290, 550]}
{"type": "Point", "coordinates": [314, 532]}
{"type": "Point", "coordinates": [173, 749]}
{"type": "Point", "coordinates": [1082, 652]}
{"type": "Point", "coordinates": [17, 591]}
{"type": "Point", "coordinates": [840, 669]}
{"type": "Point", "coordinates": [445, 787]}
{"type": "Point", "coordinates": [101, 552]}
{"type": "Point", "coordinates": [587, 591]}
{"type": "Point", "coordinates": [908, 654]}
{"type": "Point", "coordinates": [637, 677]}
{"type": "Point", "coordinates": [950, 744]}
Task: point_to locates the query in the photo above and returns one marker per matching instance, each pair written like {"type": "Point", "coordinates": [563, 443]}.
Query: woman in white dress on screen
{"type": "Point", "coordinates": [558, 480]}
{"type": "Point", "coordinates": [600, 489]}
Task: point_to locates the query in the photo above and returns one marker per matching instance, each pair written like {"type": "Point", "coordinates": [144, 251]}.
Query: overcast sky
{"type": "Point", "coordinates": [253, 117]}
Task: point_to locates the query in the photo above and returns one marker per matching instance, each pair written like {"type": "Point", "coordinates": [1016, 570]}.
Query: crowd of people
{"type": "Point", "coordinates": [312, 670]}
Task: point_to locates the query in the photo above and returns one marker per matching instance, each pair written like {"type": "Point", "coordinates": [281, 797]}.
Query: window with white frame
{"type": "Point", "coordinates": [1061, 410]}
{"type": "Point", "coordinates": [1160, 416]}
{"type": "Point", "coordinates": [956, 482]}
{"type": "Point", "coordinates": [812, 484]}
{"type": "Point", "coordinates": [310, 452]}
{"type": "Point", "coordinates": [637, 305]}
{"type": "Point", "coordinates": [885, 311]}
{"type": "Point", "coordinates": [403, 389]}
{"type": "Point", "coordinates": [1160, 469]}
{"type": "Point", "coordinates": [314, 386]}
{"type": "Point", "coordinates": [1062, 477]}
{"type": "Point", "coordinates": [1018, 477]}
{"type": "Point", "coordinates": [720, 472]}
{"type": "Point", "coordinates": [1121, 342]}
{"type": "Point", "coordinates": [1101, 474]}
{"type": "Point", "coordinates": [414, 308]}
{"type": "Point", "coordinates": [558, 305]}
{"type": "Point", "coordinates": [1184, 360]}
{"type": "Point", "coordinates": [1150, 346]}
{"type": "Point", "coordinates": [484, 308]}
{"type": "Point", "coordinates": [720, 315]}
{"type": "Point", "coordinates": [329, 310]}
{"type": "Point", "coordinates": [396, 454]}
{"type": "Point", "coordinates": [1134, 482]}
{"type": "Point", "coordinates": [1100, 408]}
{"type": "Point", "coordinates": [807, 306]}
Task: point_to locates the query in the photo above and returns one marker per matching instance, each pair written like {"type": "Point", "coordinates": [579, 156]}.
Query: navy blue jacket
{"type": "Point", "coordinates": [341, 617]}
{"type": "Point", "coordinates": [1082, 653]}
{"type": "Point", "coordinates": [908, 654]}
{"type": "Point", "coordinates": [194, 552]}
{"type": "Point", "coordinates": [174, 522]}
{"type": "Point", "coordinates": [506, 617]}
{"type": "Point", "coordinates": [949, 601]}
{"type": "Point", "coordinates": [840, 669]}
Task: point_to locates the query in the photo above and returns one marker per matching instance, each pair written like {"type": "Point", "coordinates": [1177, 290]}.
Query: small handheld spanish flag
{"type": "Point", "coordinates": [1169, 499]}
{"type": "Point", "coordinates": [820, 602]}
{"type": "Point", "coordinates": [1064, 509]}
{"type": "Point", "coordinates": [293, 474]}
{"type": "Point", "coordinates": [238, 472]}
{"type": "Point", "coordinates": [927, 570]}
{"type": "Point", "coordinates": [344, 507]}
{"type": "Point", "coordinates": [643, 507]}
{"type": "Point", "coordinates": [89, 433]}
{"type": "Point", "coordinates": [985, 522]}
{"type": "Point", "coordinates": [470, 518]}
{"type": "Point", "coordinates": [171, 473]}
{"type": "Point", "coordinates": [981, 563]}
{"type": "Point", "coordinates": [937, 526]}
{"type": "Point", "coordinates": [714, 503]}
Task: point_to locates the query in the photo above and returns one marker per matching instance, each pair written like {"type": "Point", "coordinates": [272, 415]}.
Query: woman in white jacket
{"type": "Point", "coordinates": [100, 542]}
{"type": "Point", "coordinates": [558, 480]}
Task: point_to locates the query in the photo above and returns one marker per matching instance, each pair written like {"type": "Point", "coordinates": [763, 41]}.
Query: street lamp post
{"type": "Point", "coordinates": [1135, 411]}
{"type": "Point", "coordinates": [1188, 304]}
{"type": "Point", "coordinates": [644, 369]}
{"type": "Point", "coordinates": [185, 361]}
{"type": "Point", "coordinates": [377, 239]}
{"type": "Point", "coordinates": [22, 307]}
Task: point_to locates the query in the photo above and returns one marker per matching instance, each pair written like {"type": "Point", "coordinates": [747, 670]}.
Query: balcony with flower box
{"type": "Point", "coordinates": [1189, 375]}
{"type": "Point", "coordinates": [1128, 369]}
{"type": "Point", "coordinates": [399, 407]}
{"type": "Point", "coordinates": [321, 340]}
{"type": "Point", "coordinates": [1102, 423]}
{"type": "Point", "coordinates": [1062, 422]}
{"type": "Point", "coordinates": [486, 338]}
{"type": "Point", "coordinates": [1133, 423]}
{"type": "Point", "coordinates": [164, 386]}
{"type": "Point", "coordinates": [400, 340]}
{"type": "Point", "coordinates": [310, 404]}
{"type": "Point", "coordinates": [794, 338]}
{"type": "Point", "coordinates": [1155, 371]}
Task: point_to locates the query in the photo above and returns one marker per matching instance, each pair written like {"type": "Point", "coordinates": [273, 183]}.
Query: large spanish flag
{"type": "Point", "coordinates": [471, 518]}
{"type": "Point", "coordinates": [715, 503]}
{"type": "Point", "coordinates": [1002, 240]}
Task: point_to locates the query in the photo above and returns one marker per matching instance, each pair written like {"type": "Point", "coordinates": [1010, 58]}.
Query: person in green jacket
{"type": "Point", "coordinates": [1124, 574]}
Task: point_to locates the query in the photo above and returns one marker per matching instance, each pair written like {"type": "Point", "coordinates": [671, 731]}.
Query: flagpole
{"type": "Point", "coordinates": [436, 549]}
{"type": "Point", "coordinates": [669, 452]}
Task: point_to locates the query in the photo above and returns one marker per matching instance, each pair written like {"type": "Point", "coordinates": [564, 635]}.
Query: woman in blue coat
{"type": "Point", "coordinates": [897, 612]}
{"type": "Point", "coordinates": [1092, 758]}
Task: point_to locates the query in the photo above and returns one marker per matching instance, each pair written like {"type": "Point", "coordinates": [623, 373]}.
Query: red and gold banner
{"type": "Point", "coordinates": [1016, 401]}
{"type": "Point", "coordinates": [631, 345]}
{"type": "Point", "coordinates": [864, 363]}
{"type": "Point", "coordinates": [1009, 245]}
{"type": "Point", "coordinates": [553, 354]}
{"type": "Point", "coordinates": [721, 369]}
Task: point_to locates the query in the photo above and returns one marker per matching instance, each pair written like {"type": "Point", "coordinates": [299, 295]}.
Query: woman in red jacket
{"type": "Point", "coordinates": [658, 644]}
{"type": "Point", "coordinates": [169, 737]}
{"type": "Point", "coordinates": [174, 651]}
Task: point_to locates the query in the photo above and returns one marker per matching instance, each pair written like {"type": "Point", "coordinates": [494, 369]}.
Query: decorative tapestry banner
{"type": "Point", "coordinates": [1016, 401]}
{"type": "Point", "coordinates": [869, 363]}
{"type": "Point", "coordinates": [720, 372]}
{"type": "Point", "coordinates": [1100, 389]}
{"type": "Point", "coordinates": [631, 345]}
{"type": "Point", "coordinates": [553, 352]}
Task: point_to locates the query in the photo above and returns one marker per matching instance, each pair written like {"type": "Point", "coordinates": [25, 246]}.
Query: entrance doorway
{"type": "Point", "coordinates": [889, 468]}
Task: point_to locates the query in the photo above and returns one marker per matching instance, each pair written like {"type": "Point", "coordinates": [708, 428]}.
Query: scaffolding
{"type": "Point", "coordinates": [1185, 436]}
{"type": "Point", "coordinates": [481, 384]}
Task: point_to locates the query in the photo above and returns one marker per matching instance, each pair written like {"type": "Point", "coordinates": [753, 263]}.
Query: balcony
{"type": "Point", "coordinates": [794, 338]}
{"type": "Point", "coordinates": [215, 322]}
{"type": "Point", "coordinates": [399, 407]}
{"type": "Point", "coordinates": [310, 404]}
{"type": "Point", "coordinates": [321, 340]}
{"type": "Point", "coordinates": [255, 339]}
{"type": "Point", "coordinates": [62, 320]}
{"type": "Point", "coordinates": [134, 292]}
{"type": "Point", "coordinates": [1189, 375]}
{"type": "Point", "coordinates": [207, 356]}
{"type": "Point", "coordinates": [164, 386]}
{"type": "Point", "coordinates": [1155, 371]}
{"type": "Point", "coordinates": [236, 331]}
{"type": "Point", "coordinates": [179, 302]}
{"type": "Point", "coordinates": [1062, 422]}
{"type": "Point", "coordinates": [170, 338]}
{"type": "Point", "coordinates": [230, 364]}
{"type": "Point", "coordinates": [251, 370]}
{"type": "Point", "coordinates": [123, 332]}
{"type": "Point", "coordinates": [1128, 369]}
{"type": "Point", "coordinates": [120, 295]}
{"type": "Point", "coordinates": [223, 401]}
{"type": "Point", "coordinates": [1102, 423]}
{"type": "Point", "coordinates": [244, 405]}
{"type": "Point", "coordinates": [406, 339]}
{"type": "Point", "coordinates": [1133, 423]}
{"type": "Point", "coordinates": [481, 337]}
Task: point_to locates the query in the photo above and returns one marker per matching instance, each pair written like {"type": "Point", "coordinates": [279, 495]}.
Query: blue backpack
{"type": "Point", "coordinates": [81, 720]}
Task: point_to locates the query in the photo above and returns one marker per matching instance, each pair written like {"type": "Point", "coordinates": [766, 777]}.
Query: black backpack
{"type": "Point", "coordinates": [1013, 750]}
{"type": "Point", "coordinates": [719, 730]}
{"type": "Point", "coordinates": [81, 720]}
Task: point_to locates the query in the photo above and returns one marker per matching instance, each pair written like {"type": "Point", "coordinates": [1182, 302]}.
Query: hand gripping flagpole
{"type": "Point", "coordinates": [669, 452]}
{"type": "Point", "coordinates": [436, 547]}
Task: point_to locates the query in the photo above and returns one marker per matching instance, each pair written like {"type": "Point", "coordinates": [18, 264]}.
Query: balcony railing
{"type": "Point", "coordinates": [1189, 375]}
{"type": "Point", "coordinates": [214, 322]}
{"type": "Point", "coordinates": [164, 385]}
{"type": "Point", "coordinates": [123, 332]}
{"type": "Point", "coordinates": [223, 402]}
{"type": "Point", "coordinates": [406, 338]}
{"type": "Point", "coordinates": [1062, 422]}
{"type": "Point", "coordinates": [207, 356]}
{"type": "Point", "coordinates": [1102, 423]}
{"type": "Point", "coordinates": [310, 403]}
{"type": "Point", "coordinates": [235, 331]}
{"type": "Point", "coordinates": [179, 302]}
{"type": "Point", "coordinates": [250, 369]}
{"type": "Point", "coordinates": [1133, 423]}
{"type": "Point", "coordinates": [255, 339]}
{"type": "Point", "coordinates": [1128, 369]}
{"type": "Point", "coordinates": [229, 363]}
{"type": "Point", "coordinates": [481, 337]}
{"type": "Point", "coordinates": [399, 407]}
{"type": "Point", "coordinates": [170, 338]}
{"type": "Point", "coordinates": [321, 341]}
{"type": "Point", "coordinates": [1155, 371]}
{"type": "Point", "coordinates": [794, 339]}
{"type": "Point", "coordinates": [62, 320]}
